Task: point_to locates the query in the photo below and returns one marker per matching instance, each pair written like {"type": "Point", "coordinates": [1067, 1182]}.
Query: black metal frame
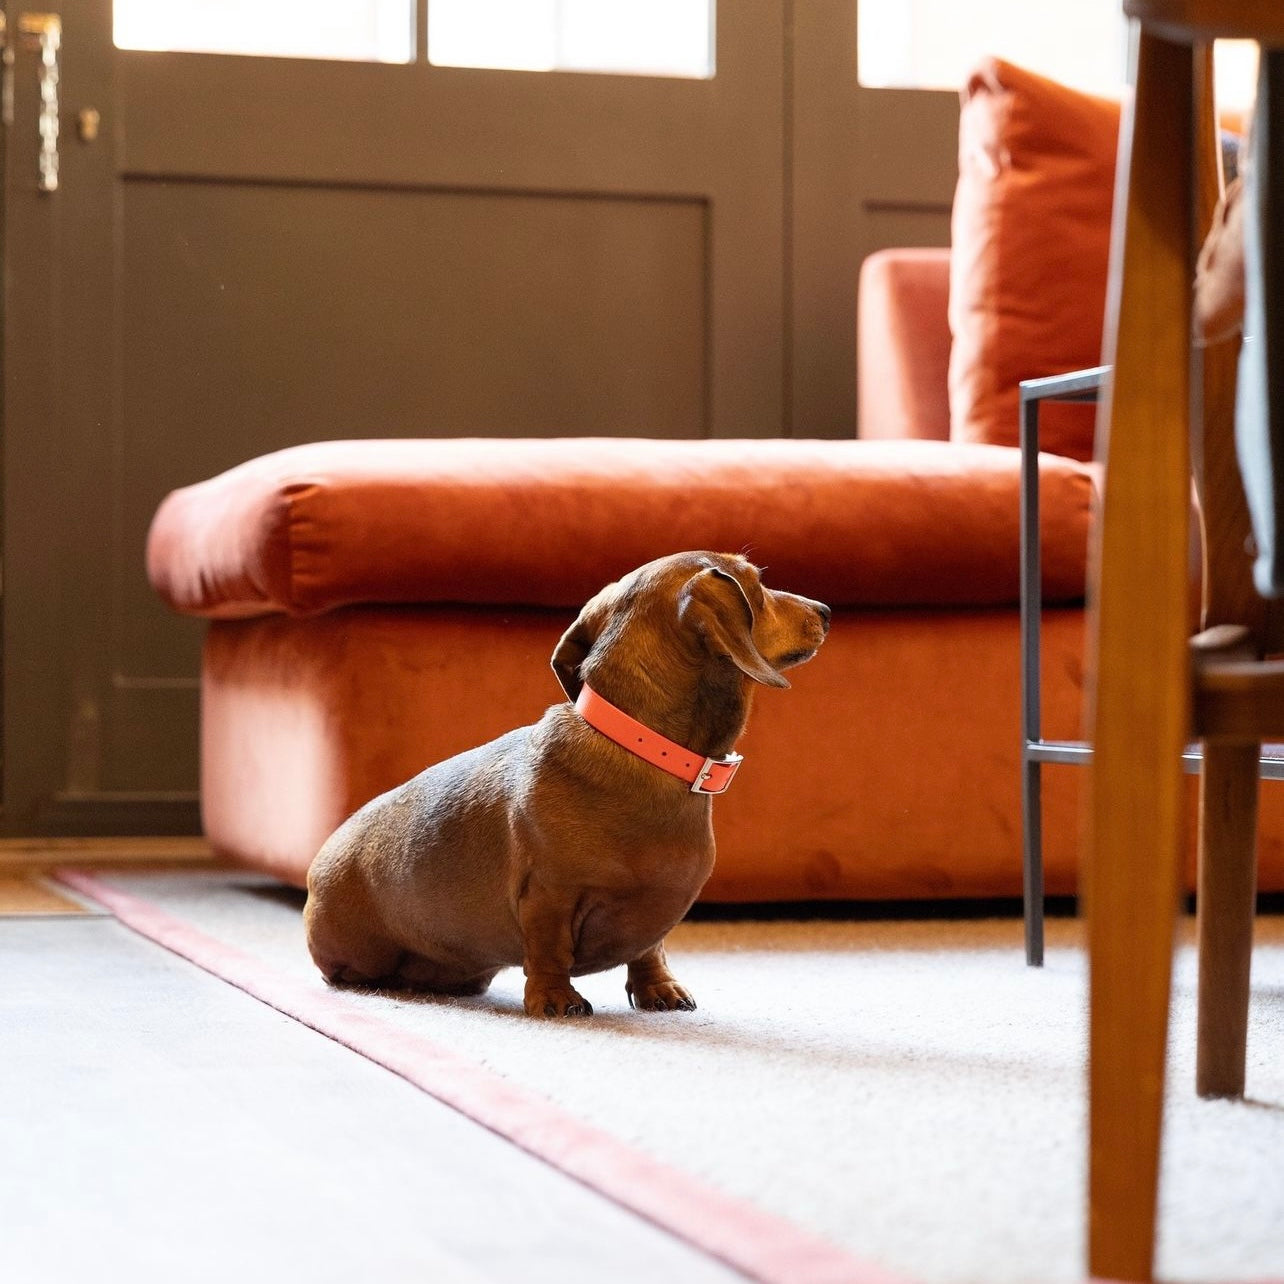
{"type": "Point", "coordinates": [1081, 386]}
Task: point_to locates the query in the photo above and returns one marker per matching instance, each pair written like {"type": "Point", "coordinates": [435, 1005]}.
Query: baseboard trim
{"type": "Point", "coordinates": [20, 854]}
{"type": "Point", "coordinates": [108, 815]}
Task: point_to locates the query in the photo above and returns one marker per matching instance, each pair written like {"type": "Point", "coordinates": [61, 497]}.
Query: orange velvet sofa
{"type": "Point", "coordinates": [375, 606]}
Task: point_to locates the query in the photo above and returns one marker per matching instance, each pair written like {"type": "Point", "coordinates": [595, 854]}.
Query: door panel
{"type": "Point", "coordinates": [259, 251]}
{"type": "Point", "coordinates": [718, 142]}
{"type": "Point", "coordinates": [255, 252]}
{"type": "Point", "coordinates": [275, 313]}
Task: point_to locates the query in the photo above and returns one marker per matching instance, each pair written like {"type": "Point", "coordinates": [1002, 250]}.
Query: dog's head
{"type": "Point", "coordinates": [697, 610]}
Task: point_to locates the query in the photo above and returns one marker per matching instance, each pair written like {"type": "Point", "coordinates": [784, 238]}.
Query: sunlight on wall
{"type": "Point", "coordinates": [1236, 72]}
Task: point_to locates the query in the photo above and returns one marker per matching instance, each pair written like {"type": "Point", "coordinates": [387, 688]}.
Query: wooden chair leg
{"type": "Point", "coordinates": [1227, 890]}
{"type": "Point", "coordinates": [1141, 694]}
{"type": "Point", "coordinates": [1228, 783]}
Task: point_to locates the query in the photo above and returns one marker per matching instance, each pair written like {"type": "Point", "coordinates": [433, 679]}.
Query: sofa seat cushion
{"type": "Point", "coordinates": [547, 522]}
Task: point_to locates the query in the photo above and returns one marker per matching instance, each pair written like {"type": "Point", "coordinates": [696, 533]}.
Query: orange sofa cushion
{"type": "Point", "coordinates": [537, 522]}
{"type": "Point", "coordinates": [1031, 244]}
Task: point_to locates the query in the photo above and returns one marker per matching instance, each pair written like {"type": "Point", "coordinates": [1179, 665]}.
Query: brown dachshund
{"type": "Point", "coordinates": [574, 845]}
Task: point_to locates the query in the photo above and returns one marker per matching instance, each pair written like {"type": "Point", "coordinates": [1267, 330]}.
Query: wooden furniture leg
{"type": "Point", "coordinates": [1147, 684]}
{"type": "Point", "coordinates": [1227, 896]}
{"type": "Point", "coordinates": [1140, 704]}
{"type": "Point", "coordinates": [1232, 608]}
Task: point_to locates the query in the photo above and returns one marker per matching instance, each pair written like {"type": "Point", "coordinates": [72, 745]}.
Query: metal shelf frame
{"type": "Point", "coordinates": [1079, 386]}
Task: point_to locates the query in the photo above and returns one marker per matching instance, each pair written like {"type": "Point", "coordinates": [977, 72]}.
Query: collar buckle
{"type": "Point", "coordinates": [716, 774]}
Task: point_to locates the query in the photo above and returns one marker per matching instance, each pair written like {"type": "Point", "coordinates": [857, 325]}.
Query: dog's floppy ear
{"type": "Point", "coordinates": [714, 604]}
{"type": "Point", "coordinates": [578, 641]}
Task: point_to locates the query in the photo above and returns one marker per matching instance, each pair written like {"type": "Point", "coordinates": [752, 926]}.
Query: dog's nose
{"type": "Point", "coordinates": [824, 612]}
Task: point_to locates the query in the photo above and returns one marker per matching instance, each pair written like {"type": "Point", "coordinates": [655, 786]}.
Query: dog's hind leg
{"type": "Point", "coordinates": [418, 972]}
{"type": "Point", "coordinates": [387, 966]}
{"type": "Point", "coordinates": [342, 944]}
{"type": "Point", "coordinates": [349, 948]}
{"type": "Point", "coordinates": [368, 961]}
{"type": "Point", "coordinates": [365, 970]}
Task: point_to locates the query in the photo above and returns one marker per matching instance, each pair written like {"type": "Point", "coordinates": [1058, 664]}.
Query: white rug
{"type": "Point", "coordinates": [910, 1091]}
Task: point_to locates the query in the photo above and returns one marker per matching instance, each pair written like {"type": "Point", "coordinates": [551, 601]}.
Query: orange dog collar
{"type": "Point", "coordinates": [704, 775]}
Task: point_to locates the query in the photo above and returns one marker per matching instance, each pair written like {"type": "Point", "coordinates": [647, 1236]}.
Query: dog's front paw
{"type": "Point", "coordinates": [659, 996]}
{"type": "Point", "coordinates": [554, 999]}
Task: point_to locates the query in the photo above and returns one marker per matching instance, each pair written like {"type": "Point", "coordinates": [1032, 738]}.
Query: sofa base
{"type": "Point", "coordinates": [303, 720]}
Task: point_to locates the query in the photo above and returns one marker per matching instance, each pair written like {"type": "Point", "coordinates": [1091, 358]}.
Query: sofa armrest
{"type": "Point", "coordinates": [903, 344]}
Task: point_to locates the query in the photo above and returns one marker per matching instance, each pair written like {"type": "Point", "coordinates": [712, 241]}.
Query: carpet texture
{"type": "Point", "coordinates": [158, 1126]}
{"type": "Point", "coordinates": [909, 1093]}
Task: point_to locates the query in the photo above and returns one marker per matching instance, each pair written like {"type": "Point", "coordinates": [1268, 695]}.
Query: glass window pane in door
{"type": "Point", "coordinates": [632, 37]}
{"type": "Point", "coordinates": [934, 44]}
{"type": "Point", "coordinates": [515, 35]}
{"type": "Point", "coordinates": [355, 30]}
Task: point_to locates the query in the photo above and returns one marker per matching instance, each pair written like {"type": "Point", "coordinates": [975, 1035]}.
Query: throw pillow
{"type": "Point", "coordinates": [1031, 243]}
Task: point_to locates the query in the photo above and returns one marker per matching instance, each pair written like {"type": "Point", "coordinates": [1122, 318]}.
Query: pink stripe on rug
{"type": "Point", "coordinates": [760, 1244]}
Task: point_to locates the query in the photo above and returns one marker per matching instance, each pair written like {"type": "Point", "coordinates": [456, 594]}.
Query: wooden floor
{"type": "Point", "coordinates": [31, 894]}
{"type": "Point", "coordinates": [25, 864]}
